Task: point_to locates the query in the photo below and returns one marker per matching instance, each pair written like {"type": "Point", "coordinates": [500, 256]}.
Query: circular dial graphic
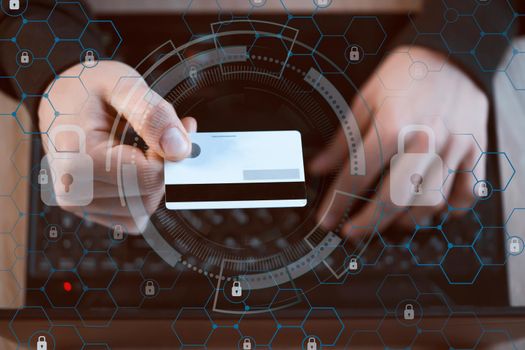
{"type": "Point", "coordinates": [232, 82]}
{"type": "Point", "coordinates": [247, 101]}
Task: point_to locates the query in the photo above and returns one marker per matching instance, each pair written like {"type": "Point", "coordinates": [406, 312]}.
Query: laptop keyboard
{"type": "Point", "coordinates": [87, 248]}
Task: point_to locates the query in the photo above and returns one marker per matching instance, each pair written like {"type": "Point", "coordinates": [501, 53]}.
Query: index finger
{"type": "Point", "coordinates": [152, 117]}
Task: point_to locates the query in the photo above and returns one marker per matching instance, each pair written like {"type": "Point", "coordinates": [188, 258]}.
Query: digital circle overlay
{"type": "Point", "coordinates": [248, 76]}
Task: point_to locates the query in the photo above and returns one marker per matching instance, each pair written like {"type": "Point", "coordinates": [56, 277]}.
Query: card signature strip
{"type": "Point", "coordinates": [271, 174]}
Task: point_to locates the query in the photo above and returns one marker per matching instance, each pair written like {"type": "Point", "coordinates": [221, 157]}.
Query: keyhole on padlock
{"type": "Point", "coordinates": [67, 181]}
{"type": "Point", "coordinates": [417, 181]}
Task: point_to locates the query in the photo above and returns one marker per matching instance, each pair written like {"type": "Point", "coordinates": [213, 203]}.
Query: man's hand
{"type": "Point", "coordinates": [109, 85]}
{"type": "Point", "coordinates": [446, 100]}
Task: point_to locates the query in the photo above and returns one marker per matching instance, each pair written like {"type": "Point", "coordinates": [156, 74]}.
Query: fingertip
{"type": "Point", "coordinates": [175, 144]}
{"type": "Point", "coordinates": [355, 235]}
{"type": "Point", "coordinates": [346, 229]}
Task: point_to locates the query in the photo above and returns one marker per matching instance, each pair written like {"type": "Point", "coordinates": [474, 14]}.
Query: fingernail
{"type": "Point", "coordinates": [174, 144]}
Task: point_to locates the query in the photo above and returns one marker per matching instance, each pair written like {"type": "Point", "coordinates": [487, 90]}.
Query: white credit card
{"type": "Point", "coordinates": [230, 170]}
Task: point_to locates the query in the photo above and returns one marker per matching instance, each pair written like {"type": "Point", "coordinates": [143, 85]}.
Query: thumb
{"type": "Point", "coordinates": [152, 117]}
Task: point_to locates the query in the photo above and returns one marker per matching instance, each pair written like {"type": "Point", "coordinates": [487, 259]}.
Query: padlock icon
{"type": "Point", "coordinates": [43, 178]}
{"type": "Point", "coordinates": [515, 246]}
{"type": "Point", "coordinates": [193, 73]}
{"type": "Point", "coordinates": [416, 178]}
{"type": "Point", "coordinates": [14, 5]}
{"type": "Point", "coordinates": [71, 172]}
{"type": "Point", "coordinates": [89, 59]}
{"type": "Point", "coordinates": [247, 344]}
{"type": "Point", "coordinates": [118, 232]}
{"type": "Point", "coordinates": [355, 55]}
{"type": "Point", "coordinates": [236, 289]}
{"type": "Point", "coordinates": [24, 57]}
{"type": "Point", "coordinates": [483, 190]}
{"type": "Point", "coordinates": [311, 344]}
{"type": "Point", "coordinates": [41, 343]}
{"type": "Point", "coordinates": [53, 232]}
{"type": "Point", "coordinates": [149, 289]}
{"type": "Point", "coordinates": [353, 266]}
{"type": "Point", "coordinates": [408, 313]}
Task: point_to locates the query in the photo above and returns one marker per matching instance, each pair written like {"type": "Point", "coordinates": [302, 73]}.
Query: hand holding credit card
{"type": "Point", "coordinates": [227, 170]}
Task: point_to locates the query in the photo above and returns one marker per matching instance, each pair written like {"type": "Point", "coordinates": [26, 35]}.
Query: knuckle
{"type": "Point", "coordinates": [157, 117]}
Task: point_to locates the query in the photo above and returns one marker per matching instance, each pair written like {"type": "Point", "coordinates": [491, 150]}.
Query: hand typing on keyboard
{"type": "Point", "coordinates": [444, 99]}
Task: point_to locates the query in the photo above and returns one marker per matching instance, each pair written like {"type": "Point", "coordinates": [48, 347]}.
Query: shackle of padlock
{"type": "Point", "coordinates": [62, 128]}
{"type": "Point", "coordinates": [416, 128]}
